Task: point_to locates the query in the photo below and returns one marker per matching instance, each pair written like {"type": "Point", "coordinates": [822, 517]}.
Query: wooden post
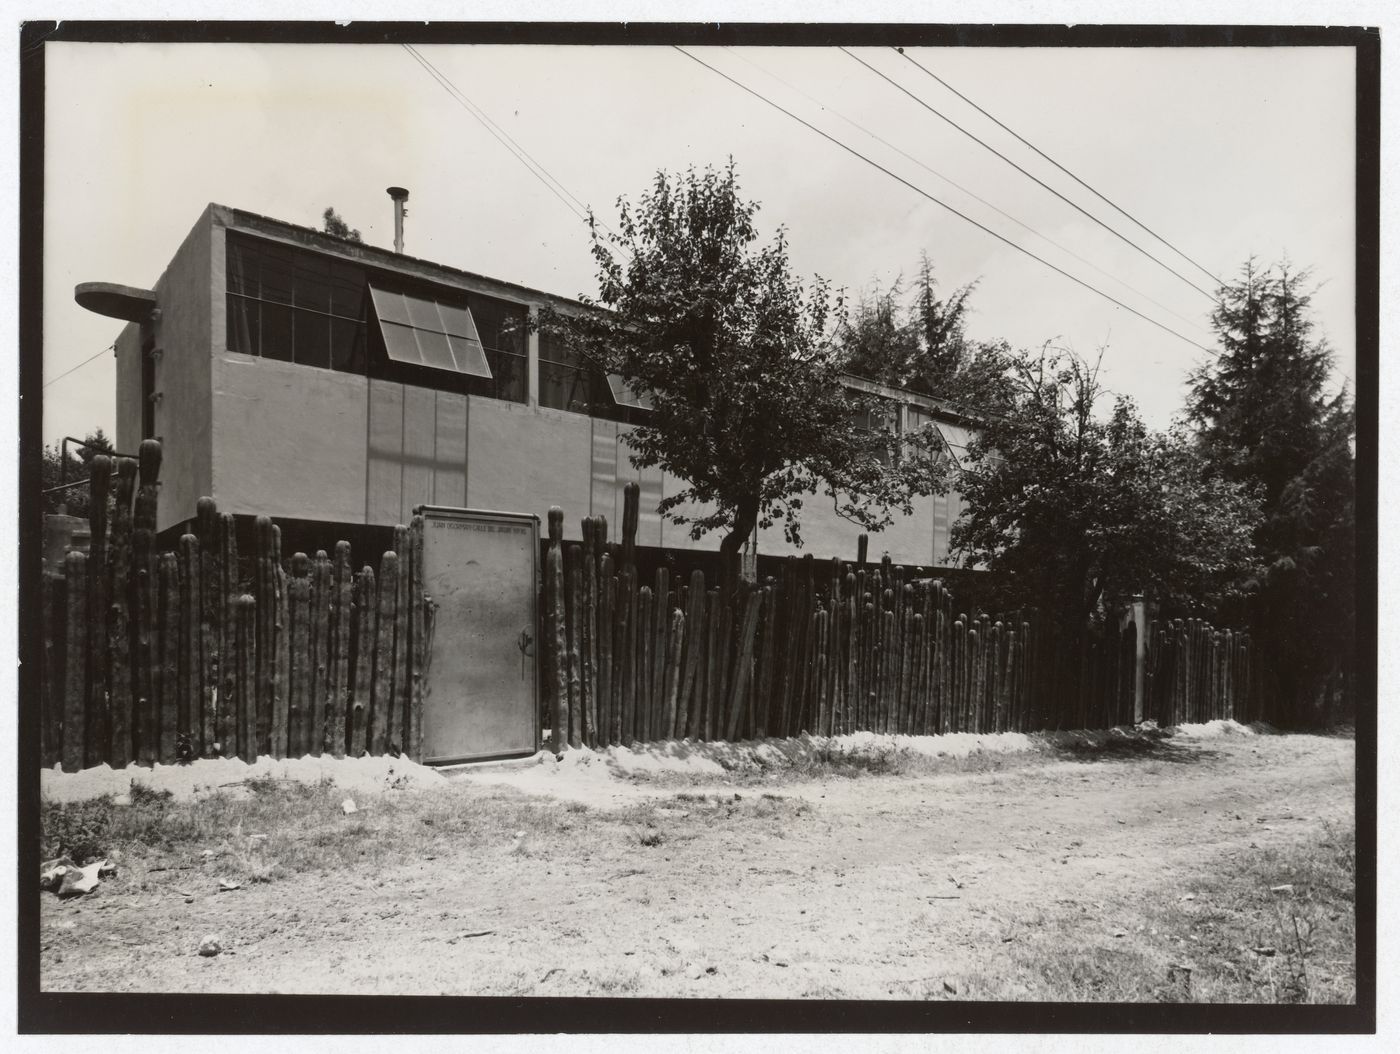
{"type": "Point", "coordinates": [246, 647]}
{"type": "Point", "coordinates": [55, 614]}
{"type": "Point", "coordinates": [623, 645]}
{"type": "Point", "coordinates": [693, 690]}
{"type": "Point", "coordinates": [170, 625]}
{"type": "Point", "coordinates": [559, 696]}
{"type": "Point", "coordinates": [588, 674]}
{"type": "Point", "coordinates": [673, 673]}
{"type": "Point", "coordinates": [265, 649]}
{"type": "Point", "coordinates": [402, 671]}
{"type": "Point", "coordinates": [299, 654]}
{"type": "Point", "coordinates": [228, 601]}
{"type": "Point", "coordinates": [340, 693]}
{"type": "Point", "coordinates": [767, 651]}
{"type": "Point", "coordinates": [318, 631]}
{"type": "Point", "coordinates": [142, 616]}
{"type": "Point", "coordinates": [642, 710]}
{"type": "Point", "coordinates": [365, 614]}
{"type": "Point", "coordinates": [187, 663]}
{"type": "Point", "coordinates": [607, 615]}
{"type": "Point", "coordinates": [575, 646]}
{"type": "Point", "coordinates": [660, 651]}
{"type": "Point", "coordinates": [742, 671]}
{"type": "Point", "coordinates": [75, 651]}
{"type": "Point", "coordinates": [382, 702]}
{"type": "Point", "coordinates": [280, 732]}
{"type": "Point", "coordinates": [210, 614]}
{"type": "Point", "coordinates": [98, 733]}
{"type": "Point", "coordinates": [119, 643]}
{"type": "Point", "coordinates": [418, 643]}
{"type": "Point", "coordinates": [689, 656]}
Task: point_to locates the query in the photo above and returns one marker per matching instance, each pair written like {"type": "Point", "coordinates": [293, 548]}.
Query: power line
{"type": "Point", "coordinates": [962, 216]}
{"type": "Point", "coordinates": [1075, 205]}
{"type": "Point", "coordinates": [958, 186]}
{"type": "Point", "coordinates": [90, 358]}
{"type": "Point", "coordinates": [501, 136]}
{"type": "Point", "coordinates": [1204, 270]}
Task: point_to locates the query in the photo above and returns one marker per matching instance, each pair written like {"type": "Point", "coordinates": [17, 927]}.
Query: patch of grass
{"type": "Point", "coordinates": [271, 829]}
{"type": "Point", "coordinates": [1275, 927]}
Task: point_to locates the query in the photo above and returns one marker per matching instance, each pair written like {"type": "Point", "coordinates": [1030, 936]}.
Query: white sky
{"type": "Point", "coordinates": [1226, 152]}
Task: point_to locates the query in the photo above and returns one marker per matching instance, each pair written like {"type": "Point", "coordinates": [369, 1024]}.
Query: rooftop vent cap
{"type": "Point", "coordinates": [400, 196]}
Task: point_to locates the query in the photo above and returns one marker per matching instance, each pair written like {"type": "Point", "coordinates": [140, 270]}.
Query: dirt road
{"type": "Point", "coordinates": [931, 886]}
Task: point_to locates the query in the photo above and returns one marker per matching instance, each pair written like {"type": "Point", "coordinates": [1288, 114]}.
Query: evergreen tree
{"type": "Point", "coordinates": [1264, 419]}
{"type": "Point", "coordinates": [332, 224]}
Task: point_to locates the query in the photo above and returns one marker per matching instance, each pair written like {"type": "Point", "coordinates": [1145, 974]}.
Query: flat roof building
{"type": "Point", "coordinates": [325, 382]}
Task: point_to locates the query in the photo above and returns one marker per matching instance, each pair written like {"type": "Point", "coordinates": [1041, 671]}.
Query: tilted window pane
{"type": "Point", "coordinates": [457, 321]}
{"type": "Point", "coordinates": [434, 349]}
{"type": "Point", "coordinates": [401, 343]}
{"type": "Point", "coordinates": [390, 307]}
{"type": "Point", "coordinates": [471, 359]}
{"type": "Point", "coordinates": [423, 314]}
{"type": "Point", "coordinates": [623, 395]}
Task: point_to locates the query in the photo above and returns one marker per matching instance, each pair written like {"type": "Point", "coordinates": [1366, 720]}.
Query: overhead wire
{"type": "Point", "coordinates": [1032, 177]}
{"type": "Point", "coordinates": [577, 207]}
{"type": "Point", "coordinates": [937, 201]}
{"type": "Point", "coordinates": [74, 369]}
{"type": "Point", "coordinates": [958, 186]}
{"type": "Point", "coordinates": [1106, 200]}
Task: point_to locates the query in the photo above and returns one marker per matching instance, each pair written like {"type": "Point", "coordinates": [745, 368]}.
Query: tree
{"type": "Point", "coordinates": [74, 500]}
{"type": "Point", "coordinates": [332, 224]}
{"type": "Point", "coordinates": [1078, 509]}
{"type": "Point", "coordinates": [734, 355]}
{"type": "Point", "coordinates": [1263, 418]}
{"type": "Point", "coordinates": [924, 347]}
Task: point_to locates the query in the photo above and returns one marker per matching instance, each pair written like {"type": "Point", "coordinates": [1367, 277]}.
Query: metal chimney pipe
{"type": "Point", "coordinates": [400, 196]}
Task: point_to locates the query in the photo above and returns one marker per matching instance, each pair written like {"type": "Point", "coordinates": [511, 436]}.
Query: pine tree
{"type": "Point", "coordinates": [1264, 419]}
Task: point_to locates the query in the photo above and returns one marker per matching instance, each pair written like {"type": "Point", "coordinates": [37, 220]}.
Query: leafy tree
{"type": "Point", "coordinates": [332, 224]}
{"type": "Point", "coordinates": [1264, 418]}
{"type": "Point", "coordinates": [1079, 509]}
{"type": "Point", "coordinates": [924, 346]}
{"type": "Point", "coordinates": [734, 355]}
{"type": "Point", "coordinates": [74, 499]}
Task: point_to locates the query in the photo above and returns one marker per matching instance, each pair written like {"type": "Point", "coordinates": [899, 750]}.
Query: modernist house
{"type": "Point", "coordinates": [335, 386]}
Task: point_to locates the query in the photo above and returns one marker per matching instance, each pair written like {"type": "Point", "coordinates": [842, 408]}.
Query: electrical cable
{"type": "Point", "coordinates": [962, 216]}
{"type": "Point", "coordinates": [90, 358]}
{"type": "Point", "coordinates": [1203, 269]}
{"type": "Point", "coordinates": [1075, 205]}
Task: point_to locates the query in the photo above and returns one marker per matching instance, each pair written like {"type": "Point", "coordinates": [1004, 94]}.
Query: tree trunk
{"type": "Point", "coordinates": [731, 548]}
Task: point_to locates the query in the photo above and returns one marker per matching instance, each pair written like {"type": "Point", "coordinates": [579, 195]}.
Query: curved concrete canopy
{"type": "Point", "coordinates": [116, 301]}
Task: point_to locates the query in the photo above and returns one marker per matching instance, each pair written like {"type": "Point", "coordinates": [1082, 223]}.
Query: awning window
{"type": "Point", "coordinates": [426, 332]}
{"type": "Point", "coordinates": [625, 396]}
{"type": "Point", "coordinates": [956, 438]}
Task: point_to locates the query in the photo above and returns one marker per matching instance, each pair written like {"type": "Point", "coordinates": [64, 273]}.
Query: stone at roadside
{"type": "Point", "coordinates": [211, 945]}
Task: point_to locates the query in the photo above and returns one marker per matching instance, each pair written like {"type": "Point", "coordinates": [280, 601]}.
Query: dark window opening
{"type": "Point", "coordinates": [148, 387]}
{"type": "Point", "coordinates": [883, 417]}
{"type": "Point", "coordinates": [294, 306]}
{"type": "Point", "coordinates": [569, 382]}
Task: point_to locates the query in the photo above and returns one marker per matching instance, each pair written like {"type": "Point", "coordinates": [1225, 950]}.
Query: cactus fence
{"type": "Point", "coordinates": [155, 656]}
{"type": "Point", "coordinates": [830, 648]}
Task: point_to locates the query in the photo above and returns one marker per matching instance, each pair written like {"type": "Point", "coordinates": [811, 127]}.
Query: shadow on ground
{"type": "Point", "coordinates": [1121, 744]}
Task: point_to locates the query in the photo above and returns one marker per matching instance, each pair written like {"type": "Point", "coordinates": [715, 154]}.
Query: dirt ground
{"type": "Point", "coordinates": [936, 885]}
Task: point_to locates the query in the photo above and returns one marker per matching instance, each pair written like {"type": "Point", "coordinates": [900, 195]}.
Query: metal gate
{"type": "Point", "coordinates": [480, 570]}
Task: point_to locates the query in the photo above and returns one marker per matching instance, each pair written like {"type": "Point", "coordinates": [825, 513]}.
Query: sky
{"type": "Point", "coordinates": [1226, 152]}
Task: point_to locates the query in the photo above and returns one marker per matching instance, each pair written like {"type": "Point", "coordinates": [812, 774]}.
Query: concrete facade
{"type": "Point", "coordinates": [263, 436]}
